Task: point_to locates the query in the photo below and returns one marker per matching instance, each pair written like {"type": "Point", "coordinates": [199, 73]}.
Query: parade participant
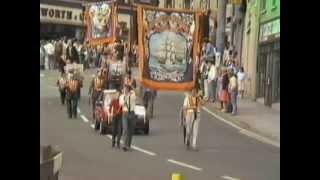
{"type": "Point", "coordinates": [72, 87]}
{"type": "Point", "coordinates": [61, 83]}
{"type": "Point", "coordinates": [191, 105]}
{"type": "Point", "coordinates": [116, 70]}
{"type": "Point", "coordinates": [129, 80]}
{"type": "Point", "coordinates": [116, 114]}
{"type": "Point", "coordinates": [96, 89]}
{"type": "Point", "coordinates": [148, 100]}
{"type": "Point", "coordinates": [128, 101]}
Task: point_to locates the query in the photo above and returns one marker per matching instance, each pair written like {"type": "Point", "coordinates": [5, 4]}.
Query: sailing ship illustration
{"type": "Point", "coordinates": [167, 54]}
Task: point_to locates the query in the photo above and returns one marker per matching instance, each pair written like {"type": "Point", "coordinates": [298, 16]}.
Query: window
{"type": "Point", "coordinates": [187, 4]}
{"type": "Point", "coordinates": [263, 5]}
{"type": "Point", "coordinates": [169, 4]}
{"type": "Point", "coordinates": [274, 5]}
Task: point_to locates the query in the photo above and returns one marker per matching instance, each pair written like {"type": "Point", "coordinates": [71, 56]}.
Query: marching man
{"type": "Point", "coordinates": [191, 109]}
{"type": "Point", "coordinates": [96, 88]}
{"type": "Point", "coordinates": [61, 83]}
{"type": "Point", "coordinates": [73, 86]}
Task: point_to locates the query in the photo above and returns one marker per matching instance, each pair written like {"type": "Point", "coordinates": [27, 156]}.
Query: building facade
{"type": "Point", "coordinates": [261, 51]}
{"type": "Point", "coordinates": [60, 18]}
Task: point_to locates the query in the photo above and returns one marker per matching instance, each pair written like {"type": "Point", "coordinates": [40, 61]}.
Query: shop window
{"type": "Point", "coordinates": [169, 4]}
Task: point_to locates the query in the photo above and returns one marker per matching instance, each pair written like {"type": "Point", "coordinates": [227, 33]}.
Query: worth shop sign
{"type": "Point", "coordinates": [61, 15]}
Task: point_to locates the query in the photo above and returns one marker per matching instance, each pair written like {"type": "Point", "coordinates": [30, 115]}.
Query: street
{"type": "Point", "coordinates": [224, 153]}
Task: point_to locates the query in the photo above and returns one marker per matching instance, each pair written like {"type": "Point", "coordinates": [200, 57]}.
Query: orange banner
{"type": "Point", "coordinates": [101, 21]}
{"type": "Point", "coordinates": [168, 47]}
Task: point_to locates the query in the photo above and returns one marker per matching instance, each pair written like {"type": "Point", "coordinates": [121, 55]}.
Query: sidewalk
{"type": "Point", "coordinates": [253, 116]}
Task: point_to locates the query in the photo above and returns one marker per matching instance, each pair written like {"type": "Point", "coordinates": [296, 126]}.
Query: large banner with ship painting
{"type": "Point", "coordinates": [100, 20]}
{"type": "Point", "coordinates": [167, 44]}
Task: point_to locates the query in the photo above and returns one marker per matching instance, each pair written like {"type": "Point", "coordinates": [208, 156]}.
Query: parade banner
{"type": "Point", "coordinates": [101, 20]}
{"type": "Point", "coordinates": [168, 43]}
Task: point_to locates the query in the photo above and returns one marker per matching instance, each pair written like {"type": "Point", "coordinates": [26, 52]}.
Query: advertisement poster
{"type": "Point", "coordinates": [167, 42]}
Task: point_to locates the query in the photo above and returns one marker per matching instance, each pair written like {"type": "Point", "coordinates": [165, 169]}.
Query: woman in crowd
{"type": "Point", "coordinates": [224, 95]}
{"type": "Point", "coordinates": [241, 80]}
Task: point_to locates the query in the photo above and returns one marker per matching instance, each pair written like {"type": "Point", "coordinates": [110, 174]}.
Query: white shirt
{"type": "Point", "coordinates": [212, 75]}
{"type": "Point", "coordinates": [124, 101]}
{"type": "Point", "coordinates": [49, 48]}
{"type": "Point", "coordinates": [241, 76]}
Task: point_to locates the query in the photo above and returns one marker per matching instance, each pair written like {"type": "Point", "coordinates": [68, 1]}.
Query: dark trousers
{"type": "Point", "coordinates": [62, 96]}
{"type": "Point", "coordinates": [72, 104]}
{"type": "Point", "coordinates": [128, 129]}
{"type": "Point", "coordinates": [116, 130]}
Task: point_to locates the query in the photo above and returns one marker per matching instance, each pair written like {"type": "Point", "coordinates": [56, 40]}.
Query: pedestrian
{"type": "Point", "coordinates": [224, 95]}
{"type": "Point", "coordinates": [212, 81]}
{"type": "Point", "coordinates": [61, 83]}
{"type": "Point", "coordinates": [116, 115]}
{"type": "Point", "coordinates": [241, 81]}
{"type": "Point", "coordinates": [233, 90]}
{"type": "Point", "coordinates": [49, 55]}
{"type": "Point", "coordinates": [42, 56]}
{"type": "Point", "coordinates": [128, 101]}
{"type": "Point", "coordinates": [219, 87]}
{"type": "Point", "coordinates": [72, 88]}
{"type": "Point", "coordinates": [58, 50]}
{"type": "Point", "coordinates": [204, 77]}
{"type": "Point", "coordinates": [191, 106]}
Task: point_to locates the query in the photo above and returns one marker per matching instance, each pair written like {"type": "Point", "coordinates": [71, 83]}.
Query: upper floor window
{"type": "Point", "coordinates": [263, 5]}
{"type": "Point", "coordinates": [187, 4]}
{"type": "Point", "coordinates": [169, 4]}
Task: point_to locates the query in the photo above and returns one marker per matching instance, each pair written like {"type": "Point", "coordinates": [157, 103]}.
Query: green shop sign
{"type": "Point", "coordinates": [270, 30]}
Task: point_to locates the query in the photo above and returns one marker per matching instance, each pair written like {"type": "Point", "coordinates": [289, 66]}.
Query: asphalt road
{"type": "Point", "coordinates": [224, 153]}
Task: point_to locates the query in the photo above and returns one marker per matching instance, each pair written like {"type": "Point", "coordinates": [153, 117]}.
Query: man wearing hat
{"type": "Point", "coordinates": [96, 88]}
{"type": "Point", "coordinates": [191, 108]}
{"type": "Point", "coordinates": [127, 101]}
{"type": "Point", "coordinates": [73, 86]}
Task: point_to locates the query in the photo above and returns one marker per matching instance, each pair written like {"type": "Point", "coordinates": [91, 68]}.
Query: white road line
{"type": "Point", "coordinates": [84, 118]}
{"type": "Point", "coordinates": [244, 131]}
{"type": "Point", "coordinates": [229, 178]}
{"type": "Point", "coordinates": [137, 148]}
{"type": "Point", "coordinates": [78, 110]}
{"type": "Point", "coordinates": [144, 151]}
{"type": "Point", "coordinates": [185, 165]}
{"type": "Point", "coordinates": [92, 126]}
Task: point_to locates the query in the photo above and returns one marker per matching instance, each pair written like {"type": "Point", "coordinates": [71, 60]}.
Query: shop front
{"type": "Point", "coordinates": [58, 20]}
{"type": "Point", "coordinates": [268, 63]}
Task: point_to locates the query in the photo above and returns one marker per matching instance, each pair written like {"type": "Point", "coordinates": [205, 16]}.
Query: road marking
{"type": "Point", "coordinates": [184, 165]}
{"type": "Point", "coordinates": [78, 110]}
{"type": "Point", "coordinates": [92, 126]}
{"type": "Point", "coordinates": [244, 131]}
{"type": "Point", "coordinates": [229, 178]}
{"type": "Point", "coordinates": [137, 148]}
{"type": "Point", "coordinates": [143, 150]}
{"type": "Point", "coordinates": [84, 118]}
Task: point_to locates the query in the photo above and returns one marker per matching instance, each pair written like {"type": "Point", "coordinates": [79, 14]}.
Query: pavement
{"type": "Point", "coordinates": [224, 151]}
